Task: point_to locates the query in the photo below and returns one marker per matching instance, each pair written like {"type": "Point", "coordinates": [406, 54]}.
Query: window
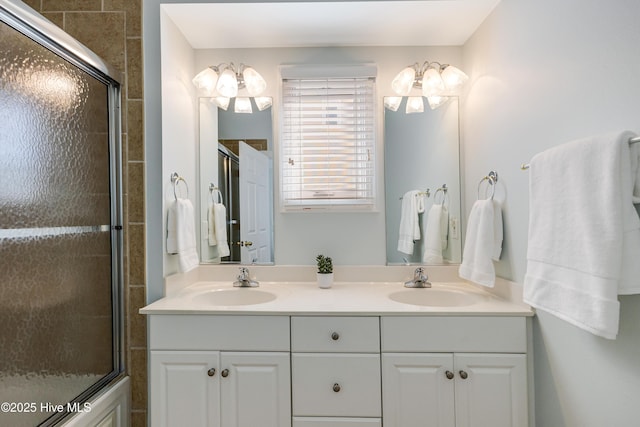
{"type": "Point", "coordinates": [328, 142]}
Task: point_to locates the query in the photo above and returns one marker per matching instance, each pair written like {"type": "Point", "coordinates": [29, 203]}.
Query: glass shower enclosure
{"type": "Point", "coordinates": [60, 221]}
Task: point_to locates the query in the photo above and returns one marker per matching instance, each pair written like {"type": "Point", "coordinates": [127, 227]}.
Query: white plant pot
{"type": "Point", "coordinates": [325, 280]}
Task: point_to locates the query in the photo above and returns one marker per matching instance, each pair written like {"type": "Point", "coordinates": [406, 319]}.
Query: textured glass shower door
{"type": "Point", "coordinates": [59, 298]}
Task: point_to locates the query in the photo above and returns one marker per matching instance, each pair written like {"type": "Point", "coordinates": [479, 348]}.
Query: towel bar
{"type": "Point", "coordinates": [525, 166]}
{"type": "Point", "coordinates": [426, 192]}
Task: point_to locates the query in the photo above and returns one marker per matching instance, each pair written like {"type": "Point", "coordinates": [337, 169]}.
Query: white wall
{"type": "Point", "coordinates": [542, 73]}
{"type": "Point", "coordinates": [179, 124]}
{"type": "Point", "coordinates": [349, 238]}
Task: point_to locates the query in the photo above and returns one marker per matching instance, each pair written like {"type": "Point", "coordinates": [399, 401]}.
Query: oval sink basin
{"type": "Point", "coordinates": [238, 296]}
{"type": "Point", "coordinates": [435, 297]}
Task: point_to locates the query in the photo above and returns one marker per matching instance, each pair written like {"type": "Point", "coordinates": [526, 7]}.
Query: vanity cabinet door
{"type": "Point", "coordinates": [418, 390]}
{"type": "Point", "coordinates": [454, 390]}
{"type": "Point", "coordinates": [184, 388]}
{"type": "Point", "coordinates": [255, 389]}
{"type": "Point", "coordinates": [491, 390]}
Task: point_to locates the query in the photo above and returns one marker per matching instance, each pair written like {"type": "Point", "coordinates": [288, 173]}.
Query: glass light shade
{"type": "Point", "coordinates": [403, 82]}
{"type": "Point", "coordinates": [222, 102]}
{"type": "Point", "coordinates": [415, 104]}
{"type": "Point", "coordinates": [432, 83]}
{"type": "Point", "coordinates": [263, 102]}
{"type": "Point", "coordinates": [392, 102]}
{"type": "Point", "coordinates": [254, 82]}
{"type": "Point", "coordinates": [243, 105]}
{"type": "Point", "coordinates": [453, 77]}
{"type": "Point", "coordinates": [436, 101]}
{"type": "Point", "coordinates": [206, 81]}
{"type": "Point", "coordinates": [227, 84]}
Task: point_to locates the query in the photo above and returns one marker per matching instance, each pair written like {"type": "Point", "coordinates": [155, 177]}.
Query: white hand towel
{"type": "Point", "coordinates": [584, 233]}
{"type": "Point", "coordinates": [211, 225]}
{"type": "Point", "coordinates": [220, 226]}
{"type": "Point", "coordinates": [181, 234]}
{"type": "Point", "coordinates": [412, 205]}
{"type": "Point", "coordinates": [435, 235]}
{"type": "Point", "coordinates": [483, 243]}
{"type": "Point", "coordinates": [634, 150]}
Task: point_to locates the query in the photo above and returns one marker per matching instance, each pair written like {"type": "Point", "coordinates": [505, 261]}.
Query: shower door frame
{"type": "Point", "coordinates": [32, 25]}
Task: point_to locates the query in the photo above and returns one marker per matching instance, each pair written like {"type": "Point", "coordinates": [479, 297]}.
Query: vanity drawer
{"type": "Point", "coordinates": [335, 334]}
{"type": "Point", "coordinates": [479, 334]}
{"type": "Point", "coordinates": [340, 385]}
{"type": "Point", "coordinates": [214, 332]}
{"type": "Point", "coordinates": [336, 422]}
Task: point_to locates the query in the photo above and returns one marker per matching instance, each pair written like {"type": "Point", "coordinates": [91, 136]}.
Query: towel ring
{"type": "Point", "coordinates": [175, 179]}
{"type": "Point", "coordinates": [213, 189]}
{"type": "Point", "coordinates": [492, 179]}
{"type": "Point", "coordinates": [444, 190]}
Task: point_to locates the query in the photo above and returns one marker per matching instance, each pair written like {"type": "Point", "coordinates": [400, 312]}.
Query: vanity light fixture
{"type": "Point", "coordinates": [436, 81]}
{"type": "Point", "coordinates": [224, 81]}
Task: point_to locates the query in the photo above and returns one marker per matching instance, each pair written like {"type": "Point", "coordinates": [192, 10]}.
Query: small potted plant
{"type": "Point", "coordinates": [325, 271]}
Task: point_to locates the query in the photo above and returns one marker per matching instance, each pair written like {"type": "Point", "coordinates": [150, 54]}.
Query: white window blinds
{"type": "Point", "coordinates": [328, 142]}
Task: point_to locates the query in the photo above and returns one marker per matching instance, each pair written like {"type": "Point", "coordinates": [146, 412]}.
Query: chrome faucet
{"type": "Point", "coordinates": [244, 280]}
{"type": "Point", "coordinates": [420, 280]}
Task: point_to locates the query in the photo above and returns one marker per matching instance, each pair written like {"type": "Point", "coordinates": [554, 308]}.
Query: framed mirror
{"type": "Point", "coordinates": [236, 185]}
{"type": "Point", "coordinates": [422, 155]}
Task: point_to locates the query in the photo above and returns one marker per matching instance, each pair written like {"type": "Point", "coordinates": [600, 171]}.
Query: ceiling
{"type": "Point", "coordinates": [319, 23]}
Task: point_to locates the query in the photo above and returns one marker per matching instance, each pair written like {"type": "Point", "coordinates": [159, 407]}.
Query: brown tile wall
{"type": "Point", "coordinates": [112, 29]}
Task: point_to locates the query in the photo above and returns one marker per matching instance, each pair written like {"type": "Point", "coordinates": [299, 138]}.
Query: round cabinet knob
{"type": "Point", "coordinates": [336, 387]}
{"type": "Point", "coordinates": [463, 375]}
{"type": "Point", "coordinates": [211, 372]}
{"type": "Point", "coordinates": [449, 375]}
{"type": "Point", "coordinates": [335, 336]}
{"type": "Point", "coordinates": [225, 373]}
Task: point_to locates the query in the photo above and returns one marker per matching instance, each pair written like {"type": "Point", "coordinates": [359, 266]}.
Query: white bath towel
{"type": "Point", "coordinates": [181, 234]}
{"type": "Point", "coordinates": [584, 233]}
{"type": "Point", "coordinates": [435, 234]}
{"type": "Point", "coordinates": [412, 205]}
{"type": "Point", "coordinates": [483, 243]}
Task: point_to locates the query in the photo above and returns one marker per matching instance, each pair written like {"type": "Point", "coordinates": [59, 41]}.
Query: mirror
{"type": "Point", "coordinates": [422, 153]}
{"type": "Point", "coordinates": [236, 173]}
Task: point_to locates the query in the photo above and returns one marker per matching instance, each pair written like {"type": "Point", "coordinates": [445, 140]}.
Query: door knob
{"type": "Point", "coordinates": [246, 243]}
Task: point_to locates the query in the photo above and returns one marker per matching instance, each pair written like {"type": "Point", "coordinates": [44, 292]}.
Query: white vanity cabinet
{"type": "Point", "coordinates": [221, 371]}
{"type": "Point", "coordinates": [324, 370]}
{"type": "Point", "coordinates": [454, 371]}
{"type": "Point", "coordinates": [335, 371]}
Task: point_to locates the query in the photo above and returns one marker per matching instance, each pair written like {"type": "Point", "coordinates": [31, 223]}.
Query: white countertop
{"type": "Point", "coordinates": [344, 298]}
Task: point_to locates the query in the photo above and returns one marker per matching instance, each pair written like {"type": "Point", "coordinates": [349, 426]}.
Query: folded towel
{"type": "Point", "coordinates": [584, 233]}
{"type": "Point", "coordinates": [181, 234]}
{"type": "Point", "coordinates": [219, 213]}
{"type": "Point", "coordinates": [483, 243]}
{"type": "Point", "coordinates": [412, 205]}
{"type": "Point", "coordinates": [435, 234]}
